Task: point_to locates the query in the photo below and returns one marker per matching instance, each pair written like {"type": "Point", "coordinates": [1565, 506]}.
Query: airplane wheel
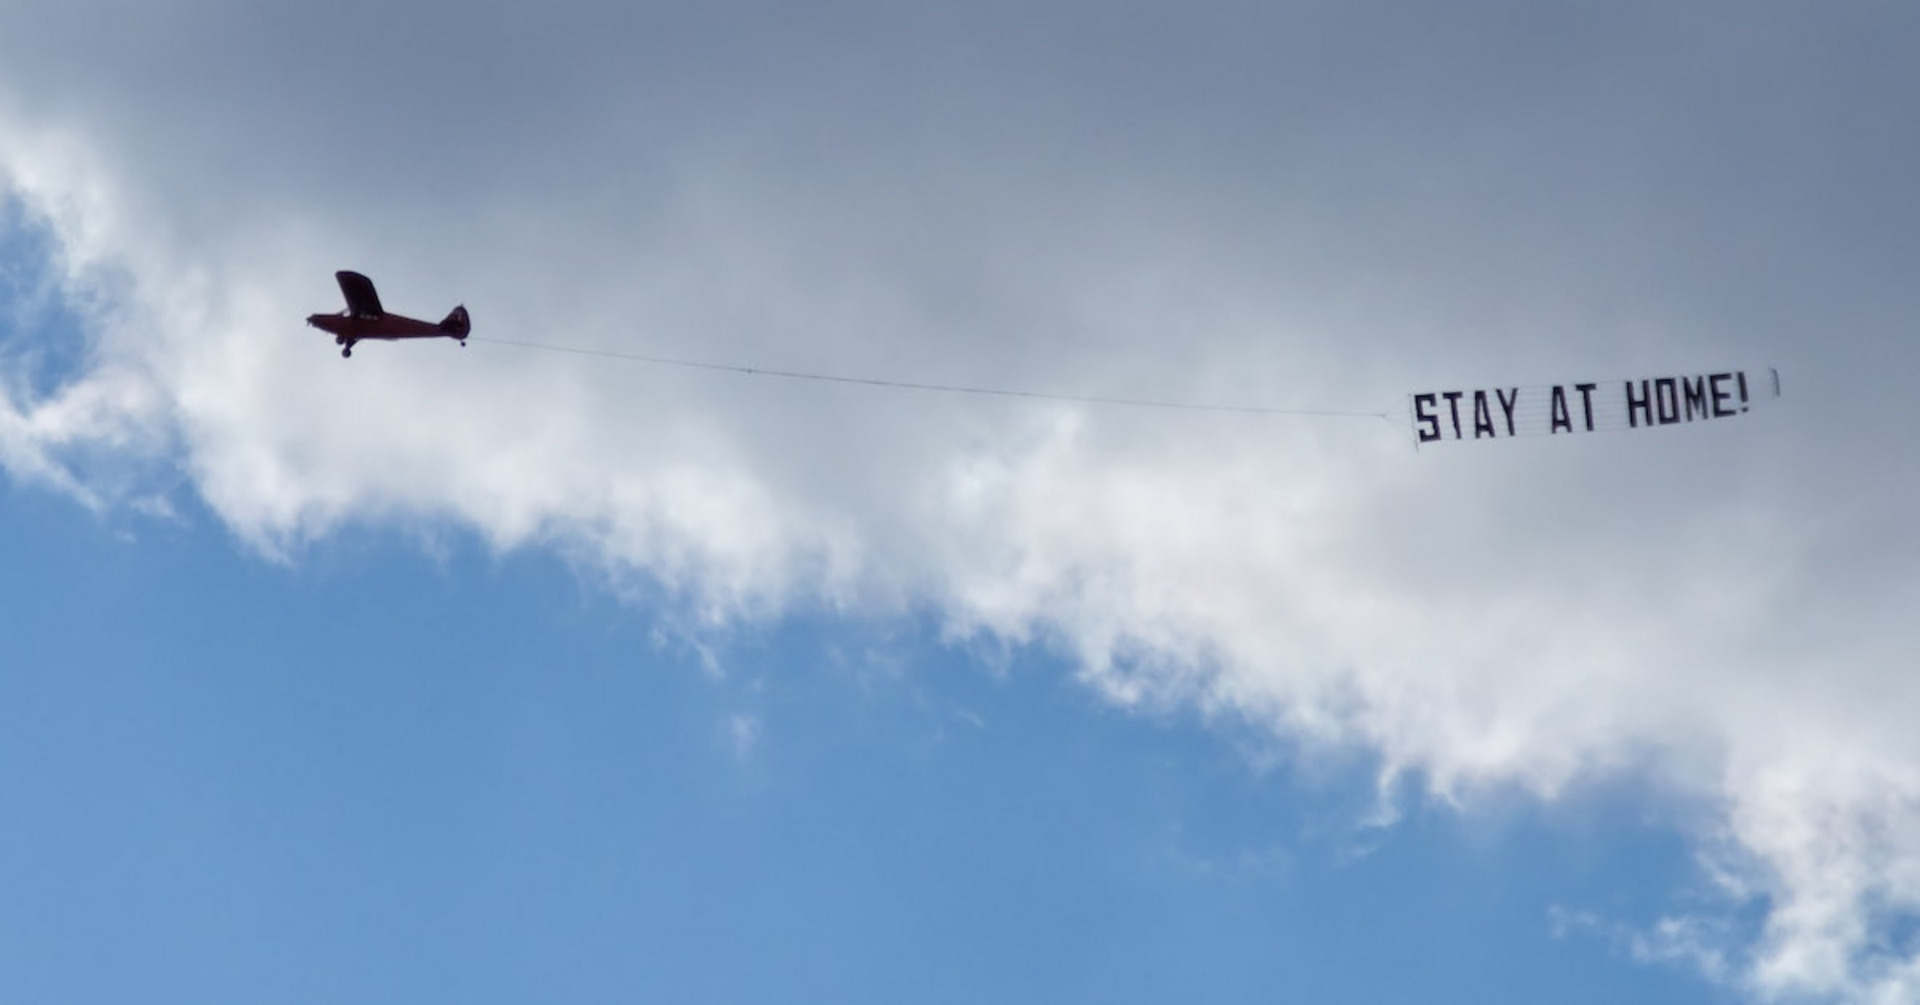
{"type": "Point", "coordinates": [346, 353]}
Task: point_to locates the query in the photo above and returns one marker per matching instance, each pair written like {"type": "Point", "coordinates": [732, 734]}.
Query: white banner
{"type": "Point", "coordinates": [1589, 407]}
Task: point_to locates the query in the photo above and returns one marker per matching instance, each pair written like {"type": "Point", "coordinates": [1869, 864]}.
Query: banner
{"type": "Point", "coordinates": [1590, 407]}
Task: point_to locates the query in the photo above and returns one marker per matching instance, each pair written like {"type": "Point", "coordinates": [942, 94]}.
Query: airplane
{"type": "Point", "coordinates": [364, 318]}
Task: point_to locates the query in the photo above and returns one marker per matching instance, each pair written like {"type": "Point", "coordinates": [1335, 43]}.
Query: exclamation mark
{"type": "Point", "coordinates": [1742, 375]}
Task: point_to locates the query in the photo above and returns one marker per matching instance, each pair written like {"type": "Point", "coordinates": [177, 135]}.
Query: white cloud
{"type": "Point", "coordinates": [743, 735]}
{"type": "Point", "coordinates": [1310, 212]}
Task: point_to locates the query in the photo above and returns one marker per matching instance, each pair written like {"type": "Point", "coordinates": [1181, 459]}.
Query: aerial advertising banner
{"type": "Point", "coordinates": [1587, 407]}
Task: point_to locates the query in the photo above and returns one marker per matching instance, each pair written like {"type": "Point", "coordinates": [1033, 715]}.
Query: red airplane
{"type": "Point", "coordinates": [364, 318]}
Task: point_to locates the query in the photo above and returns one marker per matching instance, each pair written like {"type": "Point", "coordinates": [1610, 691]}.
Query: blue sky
{"type": "Point", "coordinates": [382, 777]}
{"type": "Point", "coordinates": [537, 669]}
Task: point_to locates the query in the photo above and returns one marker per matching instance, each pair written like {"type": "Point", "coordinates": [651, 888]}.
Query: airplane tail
{"type": "Point", "coordinates": [457, 323]}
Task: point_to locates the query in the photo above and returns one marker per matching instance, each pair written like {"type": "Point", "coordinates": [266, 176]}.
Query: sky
{"type": "Point", "coordinates": [531, 668]}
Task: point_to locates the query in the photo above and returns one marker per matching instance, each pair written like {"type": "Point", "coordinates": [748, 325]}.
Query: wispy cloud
{"type": "Point", "coordinates": [743, 735]}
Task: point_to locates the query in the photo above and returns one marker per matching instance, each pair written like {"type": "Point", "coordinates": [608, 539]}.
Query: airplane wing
{"type": "Point", "coordinates": [362, 302]}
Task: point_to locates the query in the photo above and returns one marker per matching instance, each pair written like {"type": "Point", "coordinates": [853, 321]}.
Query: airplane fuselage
{"type": "Point", "coordinates": [349, 328]}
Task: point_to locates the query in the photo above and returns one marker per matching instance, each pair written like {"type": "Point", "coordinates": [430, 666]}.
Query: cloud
{"type": "Point", "coordinates": [743, 735]}
{"type": "Point", "coordinates": [1306, 209]}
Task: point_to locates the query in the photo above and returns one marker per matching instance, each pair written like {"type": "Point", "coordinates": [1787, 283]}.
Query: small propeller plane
{"type": "Point", "coordinates": [365, 319]}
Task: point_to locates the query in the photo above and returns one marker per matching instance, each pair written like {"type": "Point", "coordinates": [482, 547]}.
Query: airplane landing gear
{"type": "Point", "coordinates": [346, 353]}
